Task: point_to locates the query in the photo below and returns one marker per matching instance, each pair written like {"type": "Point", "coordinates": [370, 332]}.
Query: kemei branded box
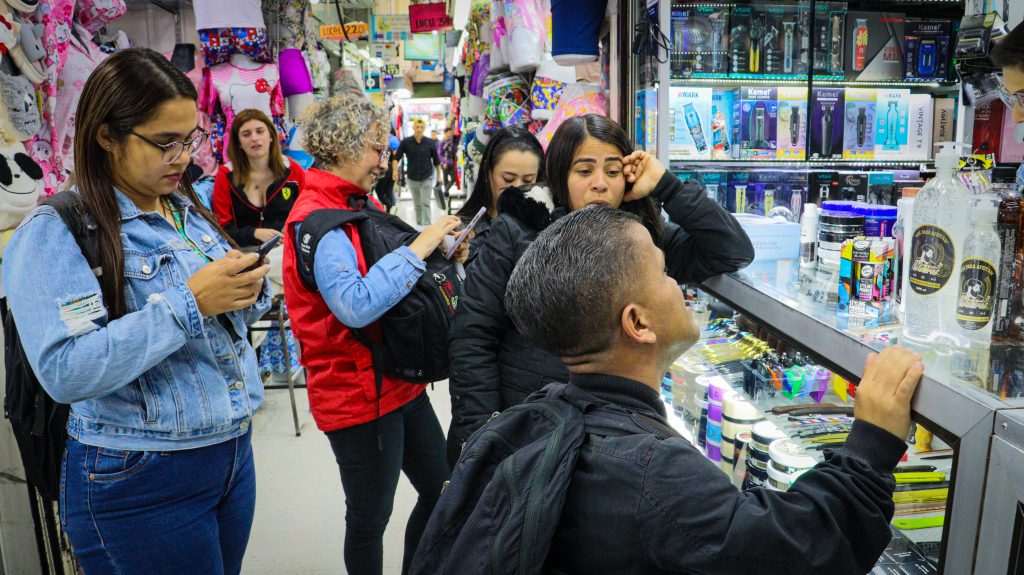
{"type": "Point", "coordinates": [891, 123]}
{"type": "Point", "coordinates": [759, 114]}
{"type": "Point", "coordinates": [919, 127]}
{"type": "Point", "coordinates": [927, 44]}
{"type": "Point", "coordinates": [874, 46]}
{"type": "Point", "coordinates": [724, 127]}
{"type": "Point", "coordinates": [792, 126]}
{"type": "Point", "coordinates": [827, 123]}
{"type": "Point", "coordinates": [943, 129]}
{"type": "Point", "coordinates": [858, 132]}
{"type": "Point", "coordinates": [690, 135]}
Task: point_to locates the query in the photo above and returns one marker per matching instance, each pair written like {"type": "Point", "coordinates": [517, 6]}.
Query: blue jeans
{"type": "Point", "coordinates": [413, 442]}
{"type": "Point", "coordinates": [157, 512]}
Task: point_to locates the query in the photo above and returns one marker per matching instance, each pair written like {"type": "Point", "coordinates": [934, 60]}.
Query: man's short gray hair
{"type": "Point", "coordinates": [335, 131]}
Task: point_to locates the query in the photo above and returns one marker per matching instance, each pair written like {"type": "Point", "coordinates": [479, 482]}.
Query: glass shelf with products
{"type": "Point", "coordinates": [763, 412]}
{"type": "Point", "coordinates": [960, 410]}
{"type": "Point", "coordinates": [865, 82]}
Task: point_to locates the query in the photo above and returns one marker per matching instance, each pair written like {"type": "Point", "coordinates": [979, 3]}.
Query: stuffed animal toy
{"type": "Point", "coordinates": [21, 183]}
{"type": "Point", "coordinates": [19, 111]}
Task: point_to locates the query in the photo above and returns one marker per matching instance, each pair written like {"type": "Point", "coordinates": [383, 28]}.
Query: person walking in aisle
{"type": "Point", "coordinates": [448, 149]}
{"type": "Point", "coordinates": [151, 350]}
{"type": "Point", "coordinates": [375, 433]}
{"type": "Point", "coordinates": [641, 499]}
{"type": "Point", "coordinates": [512, 159]}
{"type": "Point", "coordinates": [493, 366]}
{"type": "Point", "coordinates": [421, 167]}
{"type": "Point", "coordinates": [1008, 54]}
{"type": "Point", "coordinates": [255, 192]}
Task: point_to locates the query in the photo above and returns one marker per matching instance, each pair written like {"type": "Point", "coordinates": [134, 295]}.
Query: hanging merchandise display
{"type": "Point", "coordinates": [526, 34]}
{"type": "Point", "coordinates": [238, 85]}
{"type": "Point", "coordinates": [548, 85]}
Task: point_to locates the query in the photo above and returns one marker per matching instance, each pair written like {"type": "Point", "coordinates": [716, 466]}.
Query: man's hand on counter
{"type": "Point", "coordinates": [884, 393]}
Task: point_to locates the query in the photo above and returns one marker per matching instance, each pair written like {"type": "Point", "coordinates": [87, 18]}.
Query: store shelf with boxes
{"type": "Point", "coordinates": [815, 122]}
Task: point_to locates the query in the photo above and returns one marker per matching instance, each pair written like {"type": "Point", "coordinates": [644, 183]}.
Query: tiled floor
{"type": "Point", "coordinates": [300, 511]}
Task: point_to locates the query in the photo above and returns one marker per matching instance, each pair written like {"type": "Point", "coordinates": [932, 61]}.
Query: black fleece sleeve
{"type": "Point", "coordinates": [834, 519]}
{"type": "Point", "coordinates": [703, 239]}
{"type": "Point", "coordinates": [475, 337]}
{"type": "Point", "coordinates": [243, 236]}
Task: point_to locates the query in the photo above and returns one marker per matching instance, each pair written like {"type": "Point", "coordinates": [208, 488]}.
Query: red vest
{"type": "Point", "coordinates": [339, 370]}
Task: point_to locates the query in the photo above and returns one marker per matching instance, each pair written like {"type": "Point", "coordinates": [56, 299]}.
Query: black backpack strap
{"type": "Point", "coordinates": [81, 224]}
{"type": "Point", "coordinates": [313, 229]}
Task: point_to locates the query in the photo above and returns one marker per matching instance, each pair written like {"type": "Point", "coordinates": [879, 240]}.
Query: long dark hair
{"type": "Point", "coordinates": [240, 166]}
{"type": "Point", "coordinates": [566, 142]}
{"type": "Point", "coordinates": [512, 138]}
{"type": "Point", "coordinates": [123, 92]}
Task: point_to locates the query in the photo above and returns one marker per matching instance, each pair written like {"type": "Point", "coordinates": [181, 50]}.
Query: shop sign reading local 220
{"type": "Point", "coordinates": [355, 30]}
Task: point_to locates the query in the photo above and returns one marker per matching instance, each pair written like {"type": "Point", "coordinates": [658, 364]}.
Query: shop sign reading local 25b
{"type": "Point", "coordinates": [429, 17]}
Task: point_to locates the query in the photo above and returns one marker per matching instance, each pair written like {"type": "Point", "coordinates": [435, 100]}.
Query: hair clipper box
{"type": "Point", "coordinates": [647, 120]}
{"type": "Point", "coordinates": [943, 128]}
{"type": "Point", "coordinates": [859, 120]}
{"type": "Point", "coordinates": [988, 120]}
{"type": "Point", "coordinates": [829, 26]}
{"type": "Point", "coordinates": [690, 131]}
{"type": "Point", "coordinates": [919, 127]}
{"type": "Point", "coordinates": [882, 189]}
{"type": "Point", "coordinates": [700, 41]}
{"type": "Point", "coordinates": [746, 49]}
{"type": "Point", "coordinates": [823, 186]}
{"type": "Point", "coordinates": [853, 187]}
{"type": "Point", "coordinates": [891, 124]}
{"type": "Point", "coordinates": [927, 43]}
{"type": "Point", "coordinates": [759, 115]}
{"type": "Point", "coordinates": [791, 132]}
{"type": "Point", "coordinates": [874, 46]}
{"type": "Point", "coordinates": [827, 123]}
{"type": "Point", "coordinates": [724, 127]}
{"type": "Point", "coordinates": [737, 200]}
{"type": "Point", "coordinates": [787, 41]}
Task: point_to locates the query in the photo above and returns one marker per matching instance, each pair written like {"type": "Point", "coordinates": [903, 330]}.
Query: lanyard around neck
{"type": "Point", "coordinates": [179, 225]}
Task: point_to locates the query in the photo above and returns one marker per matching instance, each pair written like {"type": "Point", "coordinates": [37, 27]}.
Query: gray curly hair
{"type": "Point", "coordinates": [336, 130]}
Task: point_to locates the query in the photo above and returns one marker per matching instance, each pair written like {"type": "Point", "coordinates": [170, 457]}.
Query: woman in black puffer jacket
{"type": "Point", "coordinates": [590, 161]}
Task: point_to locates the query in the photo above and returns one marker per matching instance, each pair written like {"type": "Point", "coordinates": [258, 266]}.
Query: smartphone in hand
{"type": "Point", "coordinates": [263, 250]}
{"type": "Point", "coordinates": [465, 233]}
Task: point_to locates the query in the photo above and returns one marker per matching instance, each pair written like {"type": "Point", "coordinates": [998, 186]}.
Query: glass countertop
{"type": "Point", "coordinates": [998, 370]}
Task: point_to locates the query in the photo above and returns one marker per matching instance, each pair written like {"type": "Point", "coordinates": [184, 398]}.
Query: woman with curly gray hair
{"type": "Point", "coordinates": [375, 430]}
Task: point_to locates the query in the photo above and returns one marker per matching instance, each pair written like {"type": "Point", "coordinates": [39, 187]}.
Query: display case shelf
{"type": "Point", "coordinates": [962, 415]}
{"type": "Point", "coordinates": [932, 86]}
{"type": "Point", "coordinates": [790, 164]}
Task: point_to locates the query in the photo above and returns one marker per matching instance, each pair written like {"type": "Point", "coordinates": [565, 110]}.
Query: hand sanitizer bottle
{"type": "Point", "coordinates": [933, 262]}
{"type": "Point", "coordinates": [979, 277]}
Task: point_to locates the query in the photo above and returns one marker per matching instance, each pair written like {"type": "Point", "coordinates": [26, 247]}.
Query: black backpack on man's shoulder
{"type": "Point", "coordinates": [414, 333]}
{"type": "Point", "coordinates": [499, 511]}
{"type": "Point", "coordinates": [39, 422]}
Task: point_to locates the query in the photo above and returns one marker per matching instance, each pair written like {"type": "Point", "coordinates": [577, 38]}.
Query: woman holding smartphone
{"type": "Point", "coordinates": [590, 162]}
{"type": "Point", "coordinates": [376, 430]}
{"type": "Point", "coordinates": [254, 193]}
{"type": "Point", "coordinates": [151, 352]}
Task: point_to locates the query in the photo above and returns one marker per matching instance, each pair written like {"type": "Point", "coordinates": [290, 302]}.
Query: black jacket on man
{"type": "Point", "coordinates": [492, 365]}
{"type": "Point", "coordinates": [644, 501]}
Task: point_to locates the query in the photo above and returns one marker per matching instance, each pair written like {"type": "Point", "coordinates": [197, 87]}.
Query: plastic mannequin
{"type": "Point", "coordinates": [243, 61]}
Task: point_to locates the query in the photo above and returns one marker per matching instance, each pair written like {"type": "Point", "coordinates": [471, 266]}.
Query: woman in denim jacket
{"type": "Point", "coordinates": [150, 352]}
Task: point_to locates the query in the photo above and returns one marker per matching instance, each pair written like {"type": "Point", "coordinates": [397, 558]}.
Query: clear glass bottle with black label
{"type": "Point", "coordinates": [941, 221]}
{"type": "Point", "coordinates": [979, 278]}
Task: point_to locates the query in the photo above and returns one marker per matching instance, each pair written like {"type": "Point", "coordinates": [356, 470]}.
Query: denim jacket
{"type": "Point", "coordinates": [162, 377]}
